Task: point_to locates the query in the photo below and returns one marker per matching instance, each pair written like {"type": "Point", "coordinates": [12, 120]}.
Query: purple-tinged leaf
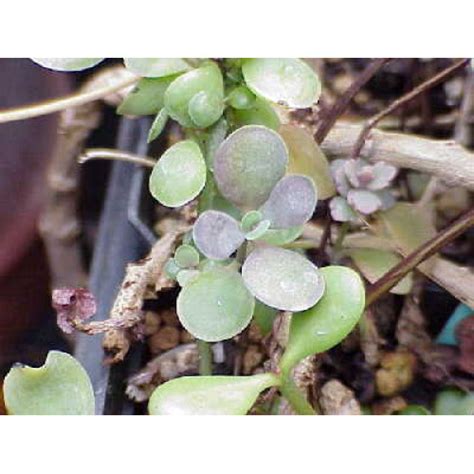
{"type": "Point", "coordinates": [383, 175]}
{"type": "Point", "coordinates": [217, 235]}
{"type": "Point", "coordinates": [338, 173]}
{"type": "Point", "coordinates": [341, 211]}
{"type": "Point", "coordinates": [364, 201]}
{"type": "Point", "coordinates": [282, 279]}
{"type": "Point", "coordinates": [248, 164]}
{"type": "Point", "coordinates": [291, 203]}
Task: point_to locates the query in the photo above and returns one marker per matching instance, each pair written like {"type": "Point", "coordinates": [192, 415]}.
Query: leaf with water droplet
{"type": "Point", "coordinates": [217, 235]}
{"type": "Point", "coordinates": [60, 387]}
{"type": "Point", "coordinates": [209, 395]}
{"type": "Point", "coordinates": [328, 322]}
{"type": "Point", "coordinates": [279, 237]}
{"type": "Point", "coordinates": [67, 64]}
{"type": "Point", "coordinates": [248, 164]}
{"type": "Point", "coordinates": [282, 279]}
{"type": "Point", "coordinates": [158, 125]}
{"type": "Point", "coordinates": [205, 79]}
{"type": "Point", "coordinates": [291, 203]}
{"type": "Point", "coordinates": [307, 158]}
{"type": "Point", "coordinates": [215, 305]}
{"type": "Point", "coordinates": [156, 67]}
{"type": "Point", "coordinates": [179, 175]}
{"type": "Point", "coordinates": [374, 263]}
{"type": "Point", "coordinates": [146, 98]}
{"type": "Point", "coordinates": [287, 81]}
{"type": "Point", "coordinates": [260, 113]}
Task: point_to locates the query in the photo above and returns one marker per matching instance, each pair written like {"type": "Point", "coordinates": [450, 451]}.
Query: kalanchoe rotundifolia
{"type": "Point", "coordinates": [362, 188]}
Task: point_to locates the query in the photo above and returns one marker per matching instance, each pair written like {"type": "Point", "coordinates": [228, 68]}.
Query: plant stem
{"type": "Point", "coordinates": [420, 89]}
{"type": "Point", "coordinates": [343, 102]}
{"type": "Point", "coordinates": [109, 154]}
{"type": "Point", "coordinates": [56, 105]}
{"type": "Point", "coordinates": [294, 396]}
{"type": "Point", "coordinates": [205, 357]}
{"type": "Point", "coordinates": [341, 236]}
{"type": "Point", "coordinates": [423, 252]}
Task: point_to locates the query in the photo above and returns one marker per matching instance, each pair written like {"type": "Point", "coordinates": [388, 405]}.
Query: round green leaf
{"type": "Point", "coordinates": [185, 276]}
{"type": "Point", "coordinates": [146, 98]}
{"type": "Point", "coordinates": [282, 279]}
{"type": "Point", "coordinates": [217, 235]}
{"type": "Point", "coordinates": [158, 125]}
{"type": "Point", "coordinates": [179, 175]}
{"type": "Point", "coordinates": [307, 158]}
{"type": "Point", "coordinates": [291, 203]}
{"type": "Point", "coordinates": [209, 105]}
{"type": "Point", "coordinates": [260, 113]}
{"type": "Point", "coordinates": [264, 316]}
{"type": "Point", "coordinates": [67, 64]}
{"type": "Point", "coordinates": [60, 387]}
{"type": "Point", "coordinates": [286, 81]}
{"type": "Point", "coordinates": [186, 256]}
{"type": "Point", "coordinates": [250, 220]}
{"type": "Point", "coordinates": [205, 108]}
{"type": "Point", "coordinates": [155, 67]}
{"type": "Point", "coordinates": [453, 401]}
{"type": "Point", "coordinates": [278, 237]}
{"type": "Point", "coordinates": [248, 164]}
{"type": "Point", "coordinates": [209, 395]}
{"type": "Point", "coordinates": [327, 323]}
{"type": "Point", "coordinates": [216, 305]}
{"type": "Point", "coordinates": [258, 231]}
{"type": "Point", "coordinates": [241, 98]}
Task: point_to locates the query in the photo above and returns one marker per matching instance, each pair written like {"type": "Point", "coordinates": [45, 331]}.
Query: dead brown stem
{"type": "Point", "coordinates": [343, 101]}
{"type": "Point", "coordinates": [420, 89]}
{"type": "Point", "coordinates": [422, 253]}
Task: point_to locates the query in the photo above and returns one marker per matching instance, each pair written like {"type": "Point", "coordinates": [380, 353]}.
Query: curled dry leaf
{"type": "Point", "coordinates": [73, 306]}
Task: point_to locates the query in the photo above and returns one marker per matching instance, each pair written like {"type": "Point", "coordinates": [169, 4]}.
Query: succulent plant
{"type": "Point", "coordinates": [362, 188]}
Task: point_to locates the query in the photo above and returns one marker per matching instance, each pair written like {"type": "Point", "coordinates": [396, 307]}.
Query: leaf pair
{"type": "Point", "coordinates": [312, 331]}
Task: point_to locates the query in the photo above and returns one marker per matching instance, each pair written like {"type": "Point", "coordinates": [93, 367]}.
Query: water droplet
{"type": "Point", "coordinates": [321, 333]}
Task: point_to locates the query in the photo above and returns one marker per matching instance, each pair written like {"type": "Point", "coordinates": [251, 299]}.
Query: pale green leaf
{"type": "Point", "coordinates": [453, 401]}
{"type": "Point", "coordinates": [280, 237]}
{"type": "Point", "coordinates": [286, 81]}
{"type": "Point", "coordinates": [216, 305]}
{"type": "Point", "coordinates": [209, 395]}
{"type": "Point", "coordinates": [156, 67]}
{"type": "Point", "coordinates": [179, 175]}
{"type": "Point", "coordinates": [146, 98]}
{"type": "Point", "coordinates": [328, 322]}
{"type": "Point", "coordinates": [158, 125]}
{"type": "Point", "coordinates": [67, 64]}
{"type": "Point", "coordinates": [206, 79]}
{"type": "Point", "coordinates": [260, 113]}
{"type": "Point", "coordinates": [60, 387]}
{"type": "Point", "coordinates": [282, 279]}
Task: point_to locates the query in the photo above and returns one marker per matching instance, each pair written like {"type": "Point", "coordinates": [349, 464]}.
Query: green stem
{"type": "Point", "coordinates": [294, 396]}
{"type": "Point", "coordinates": [205, 357]}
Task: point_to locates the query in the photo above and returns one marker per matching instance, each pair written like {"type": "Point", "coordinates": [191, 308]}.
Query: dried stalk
{"type": "Point", "coordinates": [445, 159]}
{"type": "Point", "coordinates": [418, 90]}
{"type": "Point", "coordinates": [110, 154]}
{"type": "Point", "coordinates": [77, 99]}
{"type": "Point", "coordinates": [59, 225]}
{"type": "Point", "coordinates": [344, 101]}
{"type": "Point", "coordinates": [422, 253]}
